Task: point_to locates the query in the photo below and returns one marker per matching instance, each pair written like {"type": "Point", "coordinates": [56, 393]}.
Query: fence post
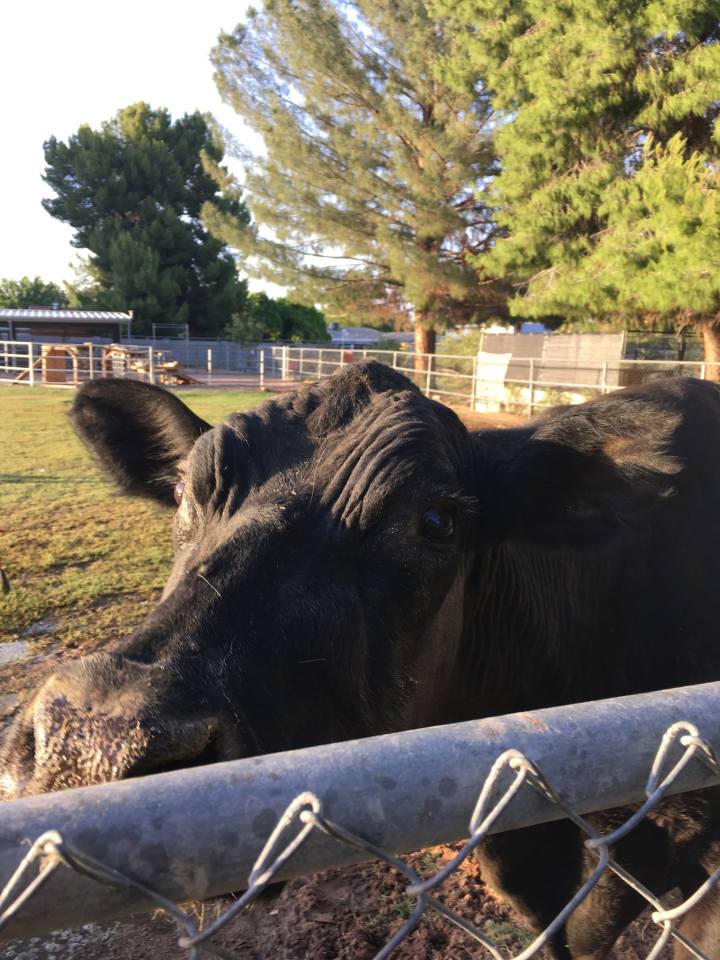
{"type": "Point", "coordinates": [395, 356]}
{"type": "Point", "coordinates": [91, 361]}
{"type": "Point", "coordinates": [531, 386]}
{"type": "Point", "coordinates": [702, 371]}
{"type": "Point", "coordinates": [342, 356]}
{"type": "Point", "coordinates": [428, 379]}
{"type": "Point", "coordinates": [285, 362]}
{"type": "Point", "coordinates": [473, 381]}
{"type": "Point", "coordinates": [209, 365]}
{"type": "Point", "coordinates": [31, 364]}
{"type": "Point", "coordinates": [262, 369]}
{"type": "Point", "coordinates": [151, 364]}
{"type": "Point", "coordinates": [603, 378]}
{"type": "Point", "coordinates": [301, 370]}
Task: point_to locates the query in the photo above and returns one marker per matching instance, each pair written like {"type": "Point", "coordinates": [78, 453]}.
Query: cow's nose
{"type": "Point", "coordinates": [99, 721]}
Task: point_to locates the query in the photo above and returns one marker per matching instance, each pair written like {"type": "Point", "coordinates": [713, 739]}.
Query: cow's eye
{"type": "Point", "coordinates": [438, 523]}
{"type": "Point", "coordinates": [178, 491]}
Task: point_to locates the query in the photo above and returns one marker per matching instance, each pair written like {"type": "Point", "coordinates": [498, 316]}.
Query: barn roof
{"type": "Point", "coordinates": [48, 314]}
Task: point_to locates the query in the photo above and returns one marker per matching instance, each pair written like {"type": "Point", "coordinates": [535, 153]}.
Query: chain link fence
{"type": "Point", "coordinates": [512, 775]}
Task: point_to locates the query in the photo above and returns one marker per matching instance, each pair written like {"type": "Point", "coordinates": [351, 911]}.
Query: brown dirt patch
{"type": "Point", "coordinates": [487, 421]}
{"type": "Point", "coordinates": [347, 914]}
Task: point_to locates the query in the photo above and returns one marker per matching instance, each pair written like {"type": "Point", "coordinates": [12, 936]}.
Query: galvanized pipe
{"type": "Point", "coordinates": [196, 833]}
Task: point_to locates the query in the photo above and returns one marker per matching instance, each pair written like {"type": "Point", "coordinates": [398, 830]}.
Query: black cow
{"type": "Point", "coordinates": [350, 560]}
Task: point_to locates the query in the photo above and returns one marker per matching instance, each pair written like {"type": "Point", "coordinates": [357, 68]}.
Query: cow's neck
{"type": "Point", "coordinates": [540, 631]}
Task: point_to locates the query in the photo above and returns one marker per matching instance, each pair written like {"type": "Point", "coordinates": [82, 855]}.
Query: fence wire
{"type": "Point", "coordinates": [511, 773]}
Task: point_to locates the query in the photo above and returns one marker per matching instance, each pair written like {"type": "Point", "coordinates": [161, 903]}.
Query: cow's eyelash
{"type": "Point", "coordinates": [467, 507]}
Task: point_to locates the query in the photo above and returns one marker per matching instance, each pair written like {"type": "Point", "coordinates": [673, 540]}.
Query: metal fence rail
{"type": "Point", "coordinates": [193, 833]}
{"type": "Point", "coordinates": [69, 364]}
{"type": "Point", "coordinates": [486, 382]}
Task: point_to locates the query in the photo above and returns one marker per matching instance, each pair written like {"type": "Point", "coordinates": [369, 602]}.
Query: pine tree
{"type": "Point", "coordinates": [133, 191]}
{"type": "Point", "coordinates": [610, 152]}
{"type": "Point", "coordinates": [372, 182]}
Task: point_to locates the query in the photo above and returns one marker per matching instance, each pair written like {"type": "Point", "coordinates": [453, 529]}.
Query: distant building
{"type": "Point", "coordinates": [36, 323]}
{"type": "Point", "coordinates": [360, 337]}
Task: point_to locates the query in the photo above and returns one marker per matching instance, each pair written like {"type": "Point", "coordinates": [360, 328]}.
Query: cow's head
{"type": "Point", "coordinates": [327, 554]}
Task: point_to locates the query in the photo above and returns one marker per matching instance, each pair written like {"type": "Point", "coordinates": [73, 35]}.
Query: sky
{"type": "Point", "coordinates": [63, 64]}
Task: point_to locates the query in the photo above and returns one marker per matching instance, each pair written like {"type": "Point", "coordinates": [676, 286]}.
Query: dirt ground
{"type": "Point", "coordinates": [487, 421]}
{"type": "Point", "coordinates": [345, 914]}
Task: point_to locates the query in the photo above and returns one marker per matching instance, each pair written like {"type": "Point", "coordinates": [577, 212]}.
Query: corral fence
{"type": "Point", "coordinates": [30, 363]}
{"type": "Point", "coordinates": [489, 382]}
{"type": "Point", "coordinates": [486, 382]}
{"type": "Point", "coordinates": [100, 852]}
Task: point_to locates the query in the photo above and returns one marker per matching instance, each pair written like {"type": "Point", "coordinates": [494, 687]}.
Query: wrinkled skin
{"type": "Point", "coordinates": [351, 561]}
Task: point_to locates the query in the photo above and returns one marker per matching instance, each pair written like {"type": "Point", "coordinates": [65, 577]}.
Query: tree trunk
{"type": "Point", "coordinates": [709, 328]}
{"type": "Point", "coordinates": [424, 341]}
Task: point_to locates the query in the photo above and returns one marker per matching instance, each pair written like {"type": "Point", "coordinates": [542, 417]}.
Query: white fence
{"type": "Point", "coordinates": [54, 364]}
{"type": "Point", "coordinates": [486, 382]}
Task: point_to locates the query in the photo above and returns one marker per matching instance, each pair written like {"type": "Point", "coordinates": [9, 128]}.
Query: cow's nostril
{"type": "Point", "coordinates": [26, 746]}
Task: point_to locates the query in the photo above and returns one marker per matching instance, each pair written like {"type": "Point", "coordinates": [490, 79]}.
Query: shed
{"type": "Point", "coordinates": [38, 323]}
{"type": "Point", "coordinates": [584, 359]}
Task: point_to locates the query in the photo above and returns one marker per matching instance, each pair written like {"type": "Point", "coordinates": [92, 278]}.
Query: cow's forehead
{"type": "Point", "coordinates": [353, 445]}
{"type": "Point", "coordinates": [401, 441]}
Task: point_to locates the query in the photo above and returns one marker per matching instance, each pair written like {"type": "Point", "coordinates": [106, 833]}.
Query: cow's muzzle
{"type": "Point", "coordinates": [102, 719]}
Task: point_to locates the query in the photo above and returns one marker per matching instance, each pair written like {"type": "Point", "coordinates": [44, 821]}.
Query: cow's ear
{"type": "Point", "coordinates": [580, 475]}
{"type": "Point", "coordinates": [137, 433]}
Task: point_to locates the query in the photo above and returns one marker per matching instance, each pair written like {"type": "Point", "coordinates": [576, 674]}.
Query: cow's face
{"type": "Point", "coordinates": [323, 548]}
{"type": "Point", "coordinates": [316, 592]}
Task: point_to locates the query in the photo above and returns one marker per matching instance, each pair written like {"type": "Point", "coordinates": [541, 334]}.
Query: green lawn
{"type": "Point", "coordinates": [84, 563]}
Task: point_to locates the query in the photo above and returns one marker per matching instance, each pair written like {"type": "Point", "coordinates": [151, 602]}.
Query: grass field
{"type": "Point", "coordinates": [84, 563]}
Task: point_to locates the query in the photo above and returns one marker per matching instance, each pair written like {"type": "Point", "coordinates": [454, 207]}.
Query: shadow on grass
{"type": "Point", "coordinates": [40, 478]}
